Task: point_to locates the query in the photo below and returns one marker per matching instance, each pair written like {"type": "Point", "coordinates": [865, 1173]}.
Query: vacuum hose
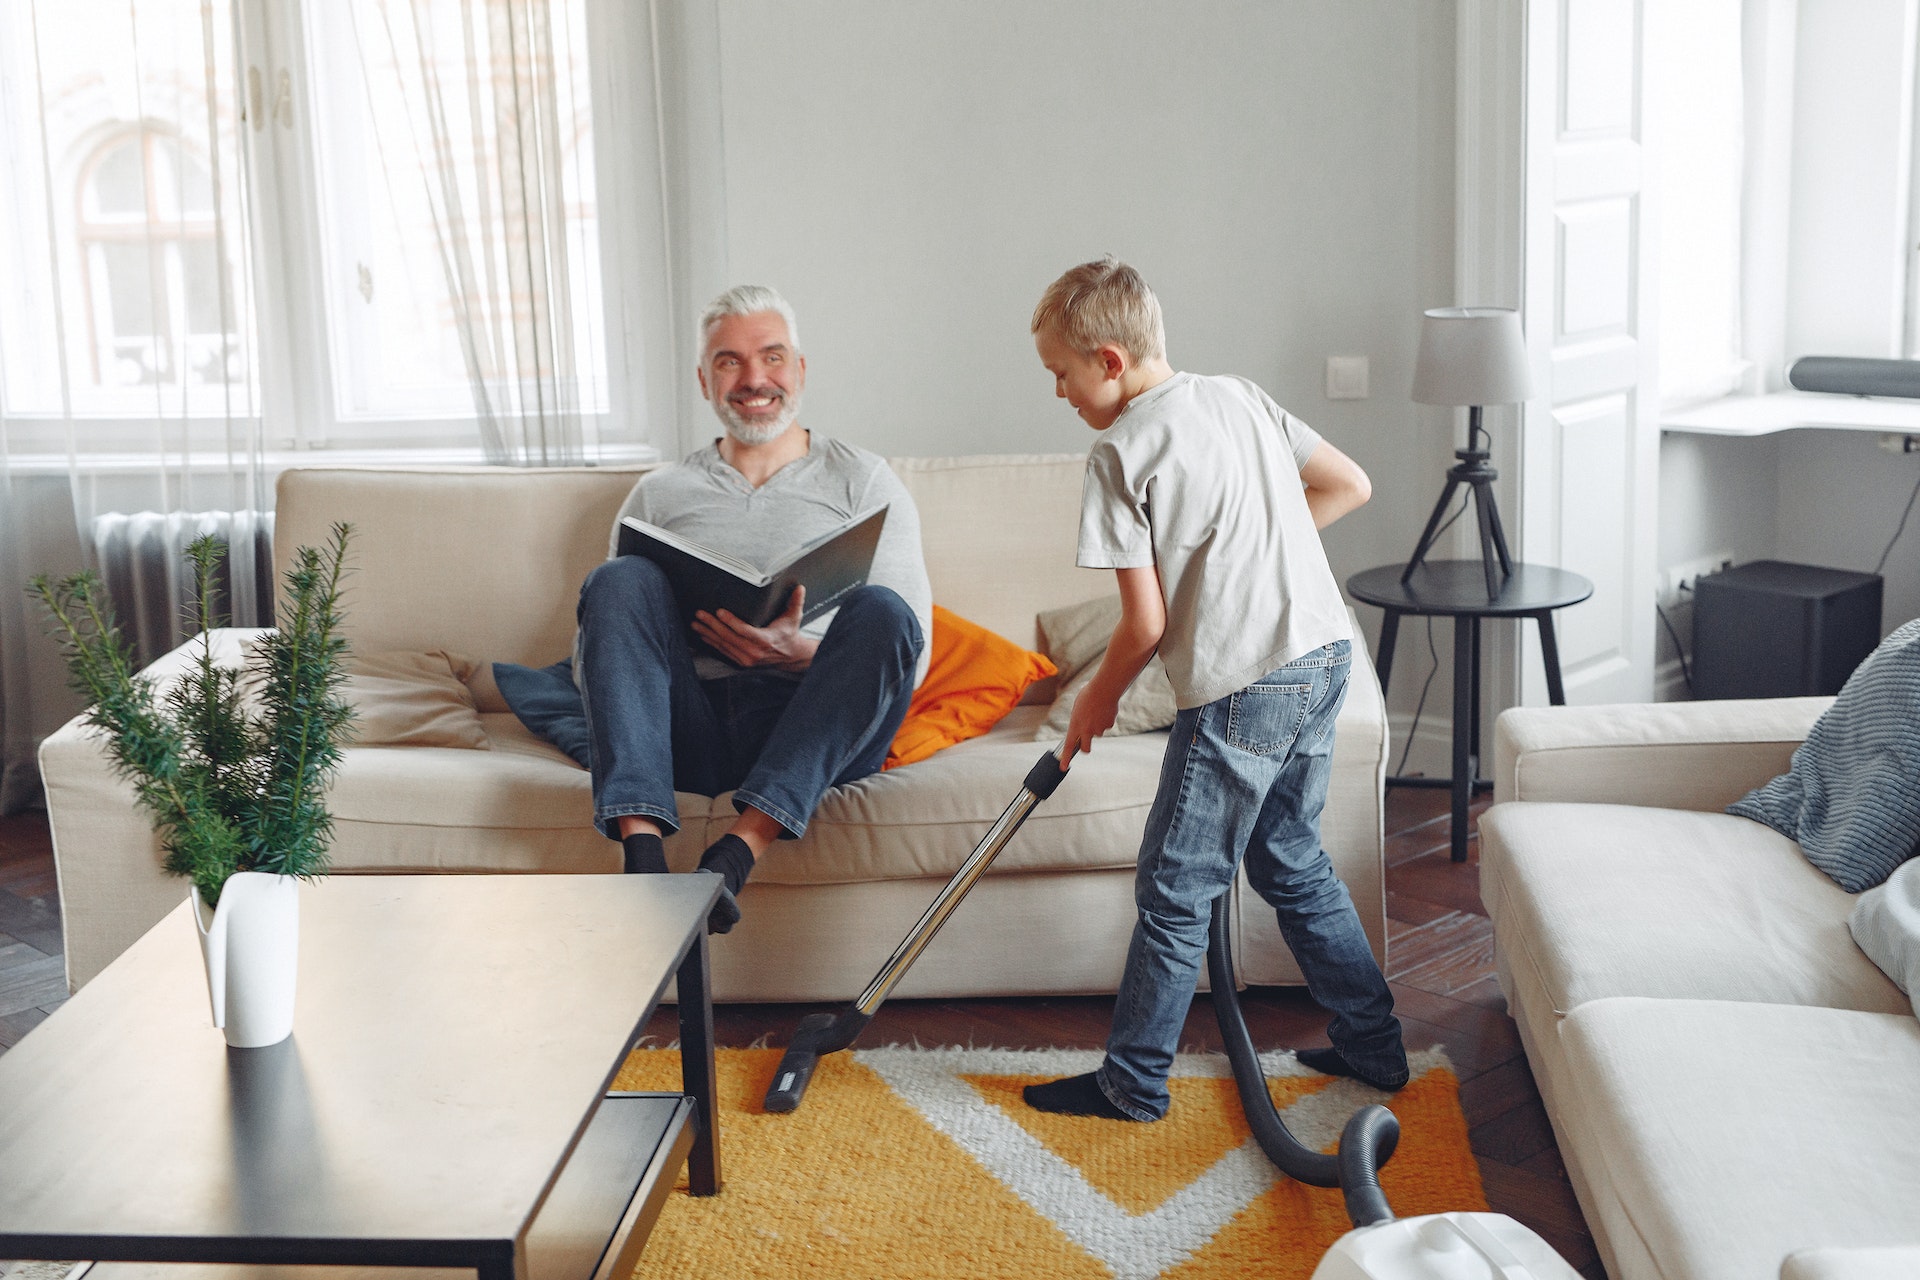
{"type": "Point", "coordinates": [1370, 1135]}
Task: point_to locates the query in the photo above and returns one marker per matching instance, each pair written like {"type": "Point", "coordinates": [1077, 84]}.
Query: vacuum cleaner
{"type": "Point", "coordinates": [1444, 1246]}
{"type": "Point", "coordinates": [1439, 1246]}
{"type": "Point", "coordinates": [822, 1033]}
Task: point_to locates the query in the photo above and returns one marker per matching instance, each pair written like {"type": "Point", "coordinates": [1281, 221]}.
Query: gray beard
{"type": "Point", "coordinates": [752, 433]}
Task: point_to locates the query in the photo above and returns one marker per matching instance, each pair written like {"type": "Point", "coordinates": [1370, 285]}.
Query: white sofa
{"type": "Point", "coordinates": [487, 563]}
{"type": "Point", "coordinates": [1734, 1085]}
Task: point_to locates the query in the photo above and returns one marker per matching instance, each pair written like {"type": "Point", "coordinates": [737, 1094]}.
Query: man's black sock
{"type": "Point", "coordinates": [731, 860]}
{"type": "Point", "coordinates": [644, 853]}
{"type": "Point", "coordinates": [1073, 1096]}
{"type": "Point", "coordinates": [1328, 1062]}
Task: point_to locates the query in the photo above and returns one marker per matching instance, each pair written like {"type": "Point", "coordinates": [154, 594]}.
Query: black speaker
{"type": "Point", "coordinates": [1771, 629]}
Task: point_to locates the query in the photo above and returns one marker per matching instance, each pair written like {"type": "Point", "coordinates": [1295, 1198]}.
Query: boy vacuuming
{"type": "Point", "coordinates": [1205, 497]}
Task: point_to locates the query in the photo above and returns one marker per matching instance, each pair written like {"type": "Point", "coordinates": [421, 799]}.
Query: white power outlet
{"type": "Point", "coordinates": [1676, 583]}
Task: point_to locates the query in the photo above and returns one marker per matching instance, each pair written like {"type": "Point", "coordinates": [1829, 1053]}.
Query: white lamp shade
{"type": "Point", "coordinates": [1471, 356]}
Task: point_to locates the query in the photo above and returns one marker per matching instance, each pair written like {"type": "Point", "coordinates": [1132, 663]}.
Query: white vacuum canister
{"type": "Point", "coordinates": [1443, 1246]}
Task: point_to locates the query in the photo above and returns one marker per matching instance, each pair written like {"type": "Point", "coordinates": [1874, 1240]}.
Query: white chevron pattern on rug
{"type": "Point", "coordinates": [1136, 1246]}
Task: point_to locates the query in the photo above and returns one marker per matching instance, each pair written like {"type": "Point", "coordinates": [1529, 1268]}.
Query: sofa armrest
{"type": "Point", "coordinates": [106, 854]}
{"type": "Point", "coordinates": [1668, 755]}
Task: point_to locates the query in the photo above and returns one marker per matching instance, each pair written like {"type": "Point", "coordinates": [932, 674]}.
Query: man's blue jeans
{"type": "Point", "coordinates": [778, 743]}
{"type": "Point", "coordinates": [1246, 775]}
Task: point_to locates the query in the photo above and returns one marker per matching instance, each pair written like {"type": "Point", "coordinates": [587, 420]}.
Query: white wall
{"type": "Point", "coordinates": [913, 175]}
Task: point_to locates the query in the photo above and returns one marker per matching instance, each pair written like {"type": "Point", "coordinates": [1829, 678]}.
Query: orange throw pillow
{"type": "Point", "coordinates": [974, 678]}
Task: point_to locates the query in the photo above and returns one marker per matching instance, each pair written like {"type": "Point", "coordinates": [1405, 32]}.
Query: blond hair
{"type": "Point", "coordinates": [1103, 303]}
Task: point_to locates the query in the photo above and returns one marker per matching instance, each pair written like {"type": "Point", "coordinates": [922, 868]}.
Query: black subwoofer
{"type": "Point", "coordinates": [1771, 629]}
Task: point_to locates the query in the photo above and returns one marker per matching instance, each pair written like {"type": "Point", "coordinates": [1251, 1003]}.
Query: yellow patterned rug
{"type": "Point", "coordinates": [925, 1162]}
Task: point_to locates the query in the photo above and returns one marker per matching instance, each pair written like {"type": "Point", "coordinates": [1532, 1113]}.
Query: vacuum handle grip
{"type": "Point", "coordinates": [1045, 776]}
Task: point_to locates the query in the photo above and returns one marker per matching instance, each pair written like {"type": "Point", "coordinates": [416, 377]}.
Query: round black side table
{"type": "Point", "coordinates": [1457, 589]}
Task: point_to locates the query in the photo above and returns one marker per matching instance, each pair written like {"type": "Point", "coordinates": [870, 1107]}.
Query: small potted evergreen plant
{"type": "Point", "coordinates": [232, 763]}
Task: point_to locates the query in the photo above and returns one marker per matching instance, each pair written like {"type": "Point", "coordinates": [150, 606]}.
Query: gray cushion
{"type": "Point", "coordinates": [1851, 796]}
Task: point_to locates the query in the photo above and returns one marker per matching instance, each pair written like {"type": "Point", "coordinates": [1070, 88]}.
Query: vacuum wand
{"type": "Point", "coordinates": [823, 1033]}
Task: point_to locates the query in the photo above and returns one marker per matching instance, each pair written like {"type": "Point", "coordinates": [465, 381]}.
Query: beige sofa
{"type": "Point", "coordinates": [487, 563]}
{"type": "Point", "coordinates": [1732, 1082]}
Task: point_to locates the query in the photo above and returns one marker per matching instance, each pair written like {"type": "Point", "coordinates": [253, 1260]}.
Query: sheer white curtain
{"type": "Point", "coordinates": [128, 385]}
{"type": "Point", "coordinates": [480, 118]}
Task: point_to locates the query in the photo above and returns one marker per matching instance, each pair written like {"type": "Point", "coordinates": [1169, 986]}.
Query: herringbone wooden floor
{"type": "Point", "coordinates": [1440, 965]}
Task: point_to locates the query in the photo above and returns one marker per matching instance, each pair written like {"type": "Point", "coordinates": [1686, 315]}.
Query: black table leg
{"type": "Point", "coordinates": [1463, 682]}
{"type": "Point", "coordinates": [1550, 658]}
{"type": "Point", "coordinates": [698, 1077]}
{"type": "Point", "coordinates": [1474, 752]}
{"type": "Point", "coordinates": [1389, 633]}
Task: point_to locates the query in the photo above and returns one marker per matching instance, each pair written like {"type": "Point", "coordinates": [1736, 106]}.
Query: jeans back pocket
{"type": "Point", "coordinates": [1265, 718]}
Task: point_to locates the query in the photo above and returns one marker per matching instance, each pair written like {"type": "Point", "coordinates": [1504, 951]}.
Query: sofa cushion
{"type": "Point", "coordinates": [1730, 1135]}
{"type": "Point", "coordinates": [923, 819]}
{"type": "Point", "coordinates": [974, 677]}
{"type": "Point", "coordinates": [547, 703]}
{"type": "Point", "coordinates": [1076, 637]}
{"type": "Point", "coordinates": [1895, 1262]}
{"type": "Point", "coordinates": [406, 699]}
{"type": "Point", "coordinates": [1617, 900]}
{"type": "Point", "coordinates": [1885, 921]}
{"type": "Point", "coordinates": [1849, 796]}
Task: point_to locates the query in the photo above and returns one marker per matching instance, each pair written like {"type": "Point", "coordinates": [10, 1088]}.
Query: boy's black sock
{"type": "Point", "coordinates": [1328, 1062]}
{"type": "Point", "coordinates": [731, 860]}
{"type": "Point", "coordinates": [643, 853]}
{"type": "Point", "coordinates": [1073, 1096]}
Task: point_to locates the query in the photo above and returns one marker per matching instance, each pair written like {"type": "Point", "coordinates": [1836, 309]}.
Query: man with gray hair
{"type": "Point", "coordinates": [776, 714]}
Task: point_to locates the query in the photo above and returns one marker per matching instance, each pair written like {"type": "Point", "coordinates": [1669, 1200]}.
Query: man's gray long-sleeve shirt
{"type": "Point", "coordinates": [704, 498]}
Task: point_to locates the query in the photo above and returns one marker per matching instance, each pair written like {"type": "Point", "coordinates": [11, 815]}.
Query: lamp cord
{"type": "Point", "coordinates": [1432, 652]}
{"type": "Point", "coordinates": [1902, 529]}
{"type": "Point", "coordinates": [1673, 635]}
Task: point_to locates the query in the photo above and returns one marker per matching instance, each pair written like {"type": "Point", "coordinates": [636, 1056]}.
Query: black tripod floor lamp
{"type": "Point", "coordinates": [1471, 356]}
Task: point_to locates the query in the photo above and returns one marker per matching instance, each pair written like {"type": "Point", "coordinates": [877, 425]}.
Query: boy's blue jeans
{"type": "Point", "coordinates": [776, 742]}
{"type": "Point", "coordinates": [1246, 775]}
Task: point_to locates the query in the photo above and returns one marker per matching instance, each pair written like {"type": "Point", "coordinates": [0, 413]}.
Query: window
{"type": "Point", "coordinates": [335, 226]}
{"type": "Point", "coordinates": [115, 154]}
{"type": "Point", "coordinates": [1694, 112]}
{"type": "Point", "coordinates": [408, 133]}
{"type": "Point", "coordinates": [158, 306]}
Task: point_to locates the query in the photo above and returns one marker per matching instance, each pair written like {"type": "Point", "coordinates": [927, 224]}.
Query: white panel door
{"type": "Point", "coordinates": [1590, 436]}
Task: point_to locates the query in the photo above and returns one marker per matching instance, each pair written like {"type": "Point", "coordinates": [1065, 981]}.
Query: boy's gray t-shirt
{"type": "Point", "coordinates": [1201, 476]}
{"type": "Point", "coordinates": [706, 499]}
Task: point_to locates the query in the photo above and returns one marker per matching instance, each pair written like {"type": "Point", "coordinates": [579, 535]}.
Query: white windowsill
{"type": "Point", "coordinates": [277, 460]}
{"type": "Point", "coordinates": [1793, 411]}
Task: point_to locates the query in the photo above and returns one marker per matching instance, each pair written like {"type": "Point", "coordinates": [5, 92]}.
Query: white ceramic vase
{"type": "Point", "coordinates": [251, 945]}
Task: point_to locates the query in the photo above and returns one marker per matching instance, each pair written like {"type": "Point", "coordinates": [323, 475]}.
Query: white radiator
{"type": "Point", "coordinates": [142, 558]}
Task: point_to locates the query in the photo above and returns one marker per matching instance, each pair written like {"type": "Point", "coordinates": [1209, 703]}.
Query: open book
{"type": "Point", "coordinates": [829, 567]}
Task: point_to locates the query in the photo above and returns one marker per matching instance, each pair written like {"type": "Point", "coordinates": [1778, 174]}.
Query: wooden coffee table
{"type": "Point", "coordinates": [443, 1101]}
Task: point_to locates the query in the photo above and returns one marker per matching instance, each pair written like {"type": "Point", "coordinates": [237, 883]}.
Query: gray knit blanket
{"type": "Point", "coordinates": [1851, 796]}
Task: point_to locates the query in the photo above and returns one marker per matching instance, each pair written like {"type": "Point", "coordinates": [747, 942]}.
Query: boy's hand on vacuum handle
{"type": "Point", "coordinates": [1094, 712]}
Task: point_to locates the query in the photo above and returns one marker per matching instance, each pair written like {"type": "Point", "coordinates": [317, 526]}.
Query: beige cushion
{"type": "Point", "coordinates": [1614, 900]}
{"type": "Point", "coordinates": [1730, 1135]}
{"type": "Point", "coordinates": [1000, 533]}
{"type": "Point", "coordinates": [403, 699]}
{"type": "Point", "coordinates": [1075, 637]}
{"type": "Point", "coordinates": [923, 819]}
{"type": "Point", "coordinates": [1896, 1262]}
{"type": "Point", "coordinates": [486, 561]}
